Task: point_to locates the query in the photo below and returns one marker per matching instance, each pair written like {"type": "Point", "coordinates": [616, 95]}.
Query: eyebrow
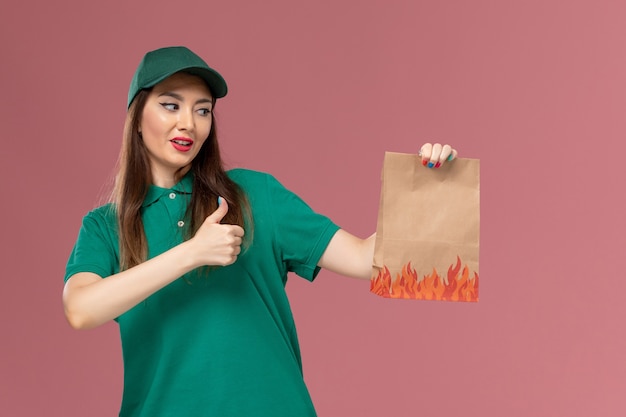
{"type": "Point", "coordinates": [180, 98]}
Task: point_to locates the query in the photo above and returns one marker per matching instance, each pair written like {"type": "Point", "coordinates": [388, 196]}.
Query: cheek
{"type": "Point", "coordinates": [205, 138]}
{"type": "Point", "coordinates": [152, 122]}
{"type": "Point", "coordinates": [207, 127]}
{"type": "Point", "coordinates": [203, 130]}
{"type": "Point", "coordinates": [202, 142]}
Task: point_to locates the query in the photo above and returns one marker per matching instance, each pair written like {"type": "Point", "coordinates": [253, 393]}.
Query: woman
{"type": "Point", "coordinates": [192, 261]}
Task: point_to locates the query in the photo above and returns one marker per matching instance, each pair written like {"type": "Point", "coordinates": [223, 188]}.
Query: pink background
{"type": "Point", "coordinates": [318, 91]}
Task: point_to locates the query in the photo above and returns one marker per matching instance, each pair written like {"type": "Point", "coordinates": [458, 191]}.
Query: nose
{"type": "Point", "coordinates": [185, 120]}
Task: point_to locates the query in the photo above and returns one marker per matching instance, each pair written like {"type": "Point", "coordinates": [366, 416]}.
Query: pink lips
{"type": "Point", "coordinates": [182, 144]}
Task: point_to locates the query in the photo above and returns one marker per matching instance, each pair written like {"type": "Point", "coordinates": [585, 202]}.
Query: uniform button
{"type": "Point", "coordinates": [181, 223]}
{"type": "Point", "coordinates": [172, 195]}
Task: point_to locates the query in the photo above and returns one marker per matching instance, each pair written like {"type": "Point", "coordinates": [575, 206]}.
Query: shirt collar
{"type": "Point", "coordinates": [184, 186]}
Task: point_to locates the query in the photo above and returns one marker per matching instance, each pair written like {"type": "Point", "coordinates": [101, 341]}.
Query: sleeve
{"type": "Point", "coordinates": [95, 249]}
{"type": "Point", "coordinates": [301, 234]}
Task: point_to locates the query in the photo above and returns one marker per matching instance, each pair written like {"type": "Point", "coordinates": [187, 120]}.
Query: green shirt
{"type": "Point", "coordinates": [218, 345]}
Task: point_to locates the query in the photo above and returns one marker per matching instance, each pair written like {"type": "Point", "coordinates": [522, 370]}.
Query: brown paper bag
{"type": "Point", "coordinates": [427, 237]}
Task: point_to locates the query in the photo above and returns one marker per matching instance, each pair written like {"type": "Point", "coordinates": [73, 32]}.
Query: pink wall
{"type": "Point", "coordinates": [318, 91]}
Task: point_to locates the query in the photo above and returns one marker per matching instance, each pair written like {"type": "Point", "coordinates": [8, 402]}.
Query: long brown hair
{"type": "Point", "coordinates": [134, 177]}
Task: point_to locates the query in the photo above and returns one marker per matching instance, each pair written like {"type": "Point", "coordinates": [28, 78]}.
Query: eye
{"type": "Point", "coordinates": [170, 106]}
{"type": "Point", "coordinates": [204, 112]}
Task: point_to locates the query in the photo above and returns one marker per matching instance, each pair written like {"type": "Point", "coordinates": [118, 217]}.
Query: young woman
{"type": "Point", "coordinates": [192, 261]}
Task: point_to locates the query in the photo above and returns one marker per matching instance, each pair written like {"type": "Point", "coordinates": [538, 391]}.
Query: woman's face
{"type": "Point", "coordinates": [175, 122]}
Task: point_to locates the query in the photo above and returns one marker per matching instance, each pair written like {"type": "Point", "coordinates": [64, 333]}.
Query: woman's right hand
{"type": "Point", "coordinates": [215, 243]}
{"type": "Point", "coordinates": [89, 300]}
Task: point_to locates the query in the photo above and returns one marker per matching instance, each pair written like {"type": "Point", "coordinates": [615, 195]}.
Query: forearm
{"type": "Point", "coordinates": [90, 301]}
{"type": "Point", "coordinates": [349, 255]}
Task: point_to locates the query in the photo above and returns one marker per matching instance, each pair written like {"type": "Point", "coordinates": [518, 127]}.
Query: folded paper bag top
{"type": "Point", "coordinates": [427, 236]}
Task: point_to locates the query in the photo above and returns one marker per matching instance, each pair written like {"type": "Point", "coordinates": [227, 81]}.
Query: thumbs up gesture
{"type": "Point", "coordinates": [215, 243]}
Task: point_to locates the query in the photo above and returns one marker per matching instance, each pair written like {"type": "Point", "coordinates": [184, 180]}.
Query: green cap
{"type": "Point", "coordinates": [159, 64]}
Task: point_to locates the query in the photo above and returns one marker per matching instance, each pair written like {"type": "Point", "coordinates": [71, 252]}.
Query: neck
{"type": "Point", "coordinates": [168, 179]}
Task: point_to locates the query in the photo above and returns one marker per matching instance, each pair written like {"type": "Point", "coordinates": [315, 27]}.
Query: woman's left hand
{"type": "Point", "coordinates": [435, 155]}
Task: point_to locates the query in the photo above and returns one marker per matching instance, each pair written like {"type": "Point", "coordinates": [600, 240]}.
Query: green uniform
{"type": "Point", "coordinates": [218, 345]}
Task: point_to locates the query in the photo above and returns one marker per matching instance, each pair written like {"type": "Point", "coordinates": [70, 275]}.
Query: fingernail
{"type": "Point", "coordinates": [424, 162]}
{"type": "Point", "coordinates": [450, 157]}
{"type": "Point", "coordinates": [438, 164]}
{"type": "Point", "coordinates": [219, 201]}
{"type": "Point", "coordinates": [430, 165]}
